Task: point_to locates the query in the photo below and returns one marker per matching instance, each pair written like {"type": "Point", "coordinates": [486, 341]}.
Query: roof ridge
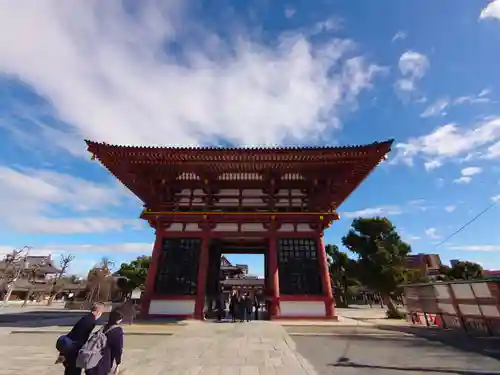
{"type": "Point", "coordinates": [242, 148]}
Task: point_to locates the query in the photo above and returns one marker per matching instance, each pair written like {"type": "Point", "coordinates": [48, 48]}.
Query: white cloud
{"type": "Point", "coordinates": [492, 10]}
{"type": "Point", "coordinates": [328, 25]}
{"type": "Point", "coordinates": [496, 198]}
{"type": "Point", "coordinates": [492, 151]}
{"type": "Point", "coordinates": [466, 175]}
{"type": "Point", "coordinates": [436, 109]}
{"type": "Point", "coordinates": [31, 201]}
{"type": "Point", "coordinates": [471, 99]}
{"type": "Point", "coordinates": [107, 74]}
{"type": "Point", "coordinates": [374, 211]}
{"type": "Point", "coordinates": [413, 66]}
{"type": "Point", "coordinates": [290, 12]}
{"type": "Point", "coordinates": [405, 85]}
{"type": "Point", "coordinates": [450, 142]}
{"type": "Point", "coordinates": [432, 233]}
{"type": "Point", "coordinates": [484, 92]}
{"type": "Point", "coordinates": [450, 208]}
{"type": "Point", "coordinates": [471, 171]}
{"type": "Point", "coordinates": [417, 205]}
{"type": "Point", "coordinates": [486, 248]}
{"type": "Point", "coordinates": [400, 35]}
{"type": "Point", "coordinates": [116, 248]}
{"type": "Point", "coordinates": [480, 97]}
{"type": "Point", "coordinates": [462, 180]}
{"type": "Point", "coordinates": [432, 164]}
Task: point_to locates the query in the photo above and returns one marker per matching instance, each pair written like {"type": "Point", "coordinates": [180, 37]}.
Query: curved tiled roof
{"type": "Point", "coordinates": [154, 154]}
{"type": "Point", "coordinates": [137, 166]}
{"type": "Point", "coordinates": [92, 145]}
{"type": "Point", "coordinates": [250, 148]}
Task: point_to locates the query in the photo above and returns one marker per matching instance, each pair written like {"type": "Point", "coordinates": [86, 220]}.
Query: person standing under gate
{"type": "Point", "coordinates": [256, 305]}
{"type": "Point", "coordinates": [219, 306]}
{"type": "Point", "coordinates": [248, 302]}
{"type": "Point", "coordinates": [233, 306]}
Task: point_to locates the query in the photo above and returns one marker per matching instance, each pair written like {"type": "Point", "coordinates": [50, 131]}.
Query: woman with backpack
{"type": "Point", "coordinates": [108, 353]}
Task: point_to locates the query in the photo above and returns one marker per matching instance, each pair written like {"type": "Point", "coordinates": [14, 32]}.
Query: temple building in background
{"type": "Point", "coordinates": [35, 274]}
{"type": "Point", "coordinates": [236, 278]}
{"type": "Point", "coordinates": [428, 264]}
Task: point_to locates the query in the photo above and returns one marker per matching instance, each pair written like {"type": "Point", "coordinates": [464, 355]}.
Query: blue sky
{"type": "Point", "coordinates": [256, 73]}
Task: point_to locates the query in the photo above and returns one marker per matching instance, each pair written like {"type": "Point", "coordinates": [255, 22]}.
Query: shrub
{"type": "Point", "coordinates": [395, 314]}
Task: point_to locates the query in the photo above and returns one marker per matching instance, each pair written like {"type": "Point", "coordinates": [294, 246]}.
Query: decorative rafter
{"type": "Point", "coordinates": [327, 175]}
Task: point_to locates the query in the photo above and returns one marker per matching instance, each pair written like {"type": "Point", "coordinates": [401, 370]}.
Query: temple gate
{"type": "Point", "coordinates": [280, 200]}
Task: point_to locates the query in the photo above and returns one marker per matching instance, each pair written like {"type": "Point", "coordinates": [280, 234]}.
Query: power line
{"type": "Point", "coordinates": [467, 224]}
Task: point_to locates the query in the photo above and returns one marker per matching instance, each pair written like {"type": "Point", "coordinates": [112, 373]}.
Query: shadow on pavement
{"type": "Point", "coordinates": [489, 346]}
{"type": "Point", "coordinates": [36, 319]}
{"type": "Point", "coordinates": [42, 319]}
{"type": "Point", "coordinates": [345, 362]}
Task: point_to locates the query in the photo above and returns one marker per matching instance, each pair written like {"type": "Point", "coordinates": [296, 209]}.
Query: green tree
{"type": "Point", "coordinates": [463, 271]}
{"type": "Point", "coordinates": [381, 256]}
{"type": "Point", "coordinates": [415, 276]}
{"type": "Point", "coordinates": [342, 273]}
{"type": "Point", "coordinates": [136, 271]}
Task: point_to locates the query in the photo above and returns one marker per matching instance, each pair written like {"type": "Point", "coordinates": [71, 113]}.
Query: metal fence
{"type": "Point", "coordinates": [473, 306]}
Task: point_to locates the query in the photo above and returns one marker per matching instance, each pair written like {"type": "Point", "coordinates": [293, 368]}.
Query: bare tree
{"type": "Point", "coordinates": [57, 285]}
{"type": "Point", "coordinates": [31, 273]}
{"type": "Point", "coordinates": [14, 264]}
{"type": "Point", "coordinates": [105, 264]}
{"type": "Point", "coordinates": [98, 281]}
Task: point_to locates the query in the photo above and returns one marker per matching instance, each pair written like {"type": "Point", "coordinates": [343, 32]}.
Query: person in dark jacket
{"type": "Point", "coordinates": [79, 334]}
{"type": "Point", "coordinates": [112, 354]}
{"type": "Point", "coordinates": [233, 306]}
{"type": "Point", "coordinates": [219, 306]}
{"type": "Point", "coordinates": [248, 306]}
{"type": "Point", "coordinates": [241, 307]}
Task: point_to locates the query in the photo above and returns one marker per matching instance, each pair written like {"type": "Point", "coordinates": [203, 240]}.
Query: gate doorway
{"type": "Point", "coordinates": [235, 287]}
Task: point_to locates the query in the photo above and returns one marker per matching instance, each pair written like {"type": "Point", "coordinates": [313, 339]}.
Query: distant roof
{"type": "Point", "coordinates": [44, 262]}
{"type": "Point", "coordinates": [244, 281]}
{"type": "Point", "coordinates": [224, 262]}
{"type": "Point", "coordinates": [491, 272]}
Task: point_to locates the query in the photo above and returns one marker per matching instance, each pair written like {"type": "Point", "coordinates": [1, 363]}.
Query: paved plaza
{"type": "Point", "coordinates": [262, 348]}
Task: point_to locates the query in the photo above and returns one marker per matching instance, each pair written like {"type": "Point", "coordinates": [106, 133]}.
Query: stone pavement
{"type": "Point", "coordinates": [255, 348]}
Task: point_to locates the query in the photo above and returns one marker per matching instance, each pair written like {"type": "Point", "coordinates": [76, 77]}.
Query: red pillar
{"type": "Point", "coordinates": [325, 278]}
{"type": "Point", "coordinates": [202, 279]}
{"type": "Point", "coordinates": [151, 275]}
{"type": "Point", "coordinates": [274, 284]}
